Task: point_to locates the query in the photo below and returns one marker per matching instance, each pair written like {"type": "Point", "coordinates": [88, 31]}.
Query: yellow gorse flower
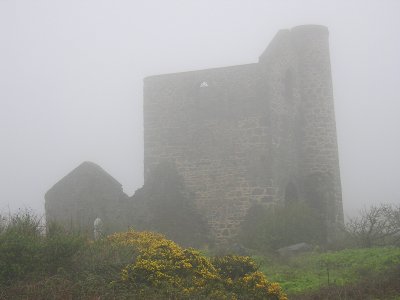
{"type": "Point", "coordinates": [162, 264]}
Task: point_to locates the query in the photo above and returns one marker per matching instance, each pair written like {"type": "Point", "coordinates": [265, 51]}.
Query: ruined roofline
{"type": "Point", "coordinates": [315, 28]}
{"type": "Point", "coordinates": [285, 36]}
{"type": "Point", "coordinates": [86, 165]}
{"type": "Point", "coordinates": [249, 65]}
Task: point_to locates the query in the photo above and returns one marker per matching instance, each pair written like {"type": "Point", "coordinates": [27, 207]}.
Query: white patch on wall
{"type": "Point", "coordinates": [204, 84]}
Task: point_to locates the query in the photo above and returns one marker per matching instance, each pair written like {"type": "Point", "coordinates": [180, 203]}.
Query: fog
{"type": "Point", "coordinates": [71, 79]}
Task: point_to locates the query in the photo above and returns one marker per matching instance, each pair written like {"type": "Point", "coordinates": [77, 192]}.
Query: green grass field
{"type": "Point", "coordinates": [311, 272]}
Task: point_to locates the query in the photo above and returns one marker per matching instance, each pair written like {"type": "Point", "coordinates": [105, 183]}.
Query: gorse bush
{"type": "Point", "coordinates": [234, 266]}
{"type": "Point", "coordinates": [242, 279]}
{"type": "Point", "coordinates": [165, 269]}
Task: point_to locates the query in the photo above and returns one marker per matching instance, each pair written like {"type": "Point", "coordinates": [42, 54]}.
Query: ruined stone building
{"type": "Point", "coordinates": [256, 133]}
{"type": "Point", "coordinates": [84, 194]}
{"type": "Point", "coordinates": [262, 132]}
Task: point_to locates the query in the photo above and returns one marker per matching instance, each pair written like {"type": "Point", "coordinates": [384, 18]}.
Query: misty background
{"type": "Point", "coordinates": [71, 79]}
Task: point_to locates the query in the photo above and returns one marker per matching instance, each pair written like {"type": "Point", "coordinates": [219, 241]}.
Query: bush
{"type": "Point", "coordinates": [20, 247]}
{"type": "Point", "coordinates": [234, 266]}
{"type": "Point", "coordinates": [96, 266]}
{"type": "Point", "coordinates": [243, 280]}
{"type": "Point", "coordinates": [275, 227]}
{"type": "Point", "coordinates": [163, 269]}
{"type": "Point", "coordinates": [59, 247]}
{"type": "Point", "coordinates": [169, 209]}
{"type": "Point", "coordinates": [26, 250]}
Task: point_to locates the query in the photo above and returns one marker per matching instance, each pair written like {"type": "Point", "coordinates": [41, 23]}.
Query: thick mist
{"type": "Point", "coordinates": [71, 79]}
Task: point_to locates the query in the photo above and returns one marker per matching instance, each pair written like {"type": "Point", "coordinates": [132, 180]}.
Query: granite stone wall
{"type": "Point", "coordinates": [256, 133]}
{"type": "Point", "coordinates": [319, 151]}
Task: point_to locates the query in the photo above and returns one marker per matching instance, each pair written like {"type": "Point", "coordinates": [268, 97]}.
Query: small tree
{"type": "Point", "coordinates": [376, 226]}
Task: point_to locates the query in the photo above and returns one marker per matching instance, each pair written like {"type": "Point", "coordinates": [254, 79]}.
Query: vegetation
{"type": "Point", "coordinates": [367, 267]}
{"type": "Point", "coordinates": [310, 272]}
{"type": "Point", "coordinates": [163, 269]}
{"type": "Point", "coordinates": [376, 226]}
{"type": "Point", "coordinates": [126, 265]}
{"type": "Point", "coordinates": [58, 264]}
{"type": "Point", "coordinates": [24, 250]}
{"type": "Point", "coordinates": [266, 229]}
{"type": "Point", "coordinates": [163, 206]}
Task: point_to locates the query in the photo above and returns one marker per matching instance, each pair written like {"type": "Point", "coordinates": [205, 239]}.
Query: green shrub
{"type": "Point", "coordinates": [59, 247]}
{"type": "Point", "coordinates": [275, 227]}
{"type": "Point", "coordinates": [168, 208]}
{"type": "Point", "coordinates": [103, 258]}
{"type": "Point", "coordinates": [20, 247]}
{"type": "Point", "coordinates": [25, 249]}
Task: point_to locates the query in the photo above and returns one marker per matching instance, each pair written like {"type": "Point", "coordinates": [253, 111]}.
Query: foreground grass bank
{"type": "Point", "coordinates": [324, 273]}
{"type": "Point", "coordinates": [146, 265]}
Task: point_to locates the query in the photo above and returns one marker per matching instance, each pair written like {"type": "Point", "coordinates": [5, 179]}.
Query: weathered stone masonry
{"type": "Point", "coordinates": [256, 133]}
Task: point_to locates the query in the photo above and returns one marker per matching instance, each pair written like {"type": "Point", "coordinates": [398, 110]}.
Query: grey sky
{"type": "Point", "coordinates": [71, 82]}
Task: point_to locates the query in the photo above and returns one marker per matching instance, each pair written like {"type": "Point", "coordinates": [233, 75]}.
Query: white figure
{"type": "Point", "coordinates": [98, 228]}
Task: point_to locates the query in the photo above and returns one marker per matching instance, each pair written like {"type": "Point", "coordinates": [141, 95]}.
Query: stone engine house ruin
{"type": "Point", "coordinates": [262, 132]}
{"type": "Point", "coordinates": [257, 133]}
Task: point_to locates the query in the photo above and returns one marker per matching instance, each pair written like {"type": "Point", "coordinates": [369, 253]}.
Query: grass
{"type": "Point", "coordinates": [310, 272]}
